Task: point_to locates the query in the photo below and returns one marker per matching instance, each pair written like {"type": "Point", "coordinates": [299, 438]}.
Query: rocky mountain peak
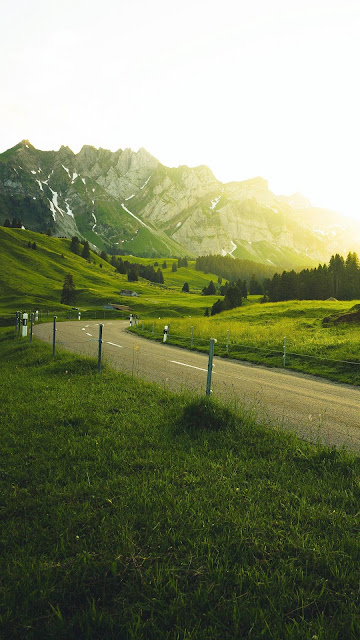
{"type": "Point", "coordinates": [129, 201]}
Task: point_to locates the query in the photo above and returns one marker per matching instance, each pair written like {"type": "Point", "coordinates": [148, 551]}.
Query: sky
{"type": "Point", "coordinates": [253, 88]}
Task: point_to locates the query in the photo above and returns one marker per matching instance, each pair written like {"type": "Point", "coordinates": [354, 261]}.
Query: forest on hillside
{"type": "Point", "coordinates": [339, 279]}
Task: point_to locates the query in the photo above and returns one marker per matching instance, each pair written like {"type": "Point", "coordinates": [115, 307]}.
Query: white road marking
{"type": "Point", "coordinates": [187, 365]}
{"type": "Point", "coordinates": [83, 329]}
{"type": "Point", "coordinates": [89, 334]}
{"type": "Point", "coordinates": [115, 345]}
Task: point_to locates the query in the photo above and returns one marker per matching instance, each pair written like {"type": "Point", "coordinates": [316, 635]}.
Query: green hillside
{"type": "Point", "coordinates": [33, 278]}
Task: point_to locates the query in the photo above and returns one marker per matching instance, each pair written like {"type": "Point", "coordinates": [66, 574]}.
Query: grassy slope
{"type": "Point", "coordinates": [34, 278]}
{"type": "Point", "coordinates": [256, 333]}
{"type": "Point", "coordinates": [144, 515]}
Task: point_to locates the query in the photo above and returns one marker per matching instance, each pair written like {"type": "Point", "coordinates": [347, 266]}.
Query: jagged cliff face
{"type": "Point", "coordinates": [129, 201]}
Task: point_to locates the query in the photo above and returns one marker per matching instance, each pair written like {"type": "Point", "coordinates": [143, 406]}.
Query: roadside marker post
{"type": "Point", "coordinates": [24, 324]}
{"type": "Point", "coordinates": [79, 315]}
{"type": "Point", "coordinates": [100, 344]}
{"type": "Point", "coordinates": [166, 328]}
{"type": "Point", "coordinates": [210, 365]}
{"type": "Point", "coordinates": [54, 331]}
{"type": "Point", "coordinates": [37, 315]}
{"type": "Point", "coordinates": [284, 356]}
{"type": "Point", "coordinates": [131, 319]}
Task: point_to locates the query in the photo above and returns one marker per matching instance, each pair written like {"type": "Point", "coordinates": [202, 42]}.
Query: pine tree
{"type": "Point", "coordinates": [174, 267]}
{"type": "Point", "coordinates": [210, 290]}
{"type": "Point", "coordinates": [159, 276]}
{"type": "Point", "coordinates": [164, 265]}
{"type": "Point", "coordinates": [185, 287]}
{"type": "Point", "coordinates": [86, 251]}
{"type": "Point", "coordinates": [68, 294]}
{"type": "Point", "coordinates": [217, 307]}
{"type": "Point", "coordinates": [75, 245]}
{"type": "Point", "coordinates": [132, 275]}
{"type": "Point", "coordinates": [7, 223]}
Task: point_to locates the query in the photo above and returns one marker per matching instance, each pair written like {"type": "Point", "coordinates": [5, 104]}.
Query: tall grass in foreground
{"type": "Point", "coordinates": [129, 512]}
{"type": "Point", "coordinates": [255, 332]}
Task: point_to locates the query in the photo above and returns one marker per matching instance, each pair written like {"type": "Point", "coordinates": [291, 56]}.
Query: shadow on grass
{"type": "Point", "coordinates": [206, 415]}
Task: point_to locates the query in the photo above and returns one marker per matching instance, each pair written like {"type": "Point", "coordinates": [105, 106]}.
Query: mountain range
{"type": "Point", "coordinates": [128, 202]}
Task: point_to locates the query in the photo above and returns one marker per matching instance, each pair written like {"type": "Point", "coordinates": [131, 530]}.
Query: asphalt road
{"type": "Point", "coordinates": [317, 410]}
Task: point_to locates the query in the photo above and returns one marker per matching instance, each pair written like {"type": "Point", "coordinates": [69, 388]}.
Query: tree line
{"type": "Point", "coordinates": [339, 279]}
{"type": "Point", "coordinates": [134, 270]}
{"type": "Point", "coordinates": [233, 269]}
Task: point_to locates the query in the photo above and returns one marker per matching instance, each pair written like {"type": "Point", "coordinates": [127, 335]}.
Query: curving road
{"type": "Point", "coordinates": [317, 410]}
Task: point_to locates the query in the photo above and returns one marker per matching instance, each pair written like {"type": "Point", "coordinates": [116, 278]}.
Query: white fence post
{"type": "Point", "coordinates": [24, 325]}
{"type": "Point", "coordinates": [166, 328]}
{"type": "Point", "coordinates": [284, 356]}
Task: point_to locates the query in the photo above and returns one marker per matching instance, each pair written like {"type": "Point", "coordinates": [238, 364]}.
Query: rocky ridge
{"type": "Point", "coordinates": [128, 201]}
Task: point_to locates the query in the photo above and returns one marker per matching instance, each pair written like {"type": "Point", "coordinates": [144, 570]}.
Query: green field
{"type": "Point", "coordinates": [132, 513]}
{"type": "Point", "coordinates": [256, 331]}
{"type": "Point", "coordinates": [32, 279]}
{"type": "Point", "coordinates": [129, 512]}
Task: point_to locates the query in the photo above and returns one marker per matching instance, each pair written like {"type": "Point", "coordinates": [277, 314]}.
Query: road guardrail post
{"type": "Point", "coordinates": [24, 324]}
{"type": "Point", "coordinates": [210, 366]}
{"type": "Point", "coordinates": [54, 332]}
{"type": "Point", "coordinates": [100, 344]}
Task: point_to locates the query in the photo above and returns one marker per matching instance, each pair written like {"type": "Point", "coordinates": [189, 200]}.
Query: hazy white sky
{"type": "Point", "coordinates": [251, 88]}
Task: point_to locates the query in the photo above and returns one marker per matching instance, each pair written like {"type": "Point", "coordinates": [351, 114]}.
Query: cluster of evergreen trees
{"type": "Point", "coordinates": [80, 248]}
{"type": "Point", "coordinates": [233, 294]}
{"type": "Point", "coordinates": [135, 270]}
{"type": "Point", "coordinates": [339, 279]}
{"type": "Point", "coordinates": [233, 269]}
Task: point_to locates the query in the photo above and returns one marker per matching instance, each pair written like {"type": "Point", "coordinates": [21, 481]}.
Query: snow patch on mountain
{"type": "Point", "coordinates": [136, 218]}
{"type": "Point", "coordinates": [214, 203]}
{"type": "Point", "coordinates": [145, 183]}
{"type": "Point", "coordinates": [68, 210]}
{"type": "Point", "coordinates": [67, 171]}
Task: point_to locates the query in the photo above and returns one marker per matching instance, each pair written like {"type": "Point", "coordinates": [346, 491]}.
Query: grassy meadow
{"type": "Point", "coordinates": [31, 279]}
{"type": "Point", "coordinates": [132, 513]}
{"type": "Point", "coordinates": [256, 331]}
